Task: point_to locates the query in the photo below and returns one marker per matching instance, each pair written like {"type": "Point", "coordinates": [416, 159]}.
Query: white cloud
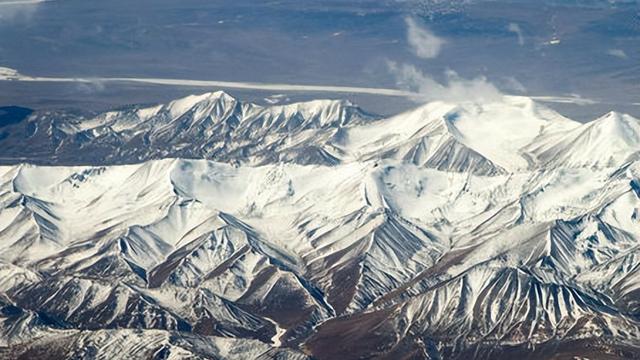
{"type": "Point", "coordinates": [515, 28]}
{"type": "Point", "coordinates": [455, 88]}
{"type": "Point", "coordinates": [423, 86]}
{"type": "Point", "coordinates": [92, 86]}
{"type": "Point", "coordinates": [8, 73]}
{"type": "Point", "coordinates": [619, 53]}
{"type": "Point", "coordinates": [423, 42]}
{"type": "Point", "coordinates": [509, 83]}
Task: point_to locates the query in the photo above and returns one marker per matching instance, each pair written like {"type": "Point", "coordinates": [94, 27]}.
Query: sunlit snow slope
{"type": "Point", "coordinates": [451, 231]}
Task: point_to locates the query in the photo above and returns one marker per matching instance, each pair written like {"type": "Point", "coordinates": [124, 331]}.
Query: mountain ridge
{"type": "Point", "coordinates": [511, 135]}
{"type": "Point", "coordinates": [412, 226]}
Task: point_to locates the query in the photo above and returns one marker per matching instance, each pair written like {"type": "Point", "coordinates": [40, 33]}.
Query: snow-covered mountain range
{"type": "Point", "coordinates": [212, 228]}
{"type": "Point", "coordinates": [513, 135]}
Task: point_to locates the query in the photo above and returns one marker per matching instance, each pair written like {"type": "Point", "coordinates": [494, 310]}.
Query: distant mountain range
{"type": "Point", "coordinates": [211, 228]}
{"type": "Point", "coordinates": [514, 135]}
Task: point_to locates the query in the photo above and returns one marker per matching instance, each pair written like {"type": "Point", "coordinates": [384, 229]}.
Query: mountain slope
{"type": "Point", "coordinates": [512, 134]}
{"type": "Point", "coordinates": [465, 230]}
{"type": "Point", "coordinates": [618, 133]}
{"type": "Point", "coordinates": [212, 125]}
{"type": "Point", "coordinates": [270, 254]}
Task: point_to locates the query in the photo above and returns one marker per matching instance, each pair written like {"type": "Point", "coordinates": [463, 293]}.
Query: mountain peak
{"type": "Point", "coordinates": [183, 105]}
{"type": "Point", "coordinates": [610, 140]}
{"type": "Point", "coordinates": [621, 125]}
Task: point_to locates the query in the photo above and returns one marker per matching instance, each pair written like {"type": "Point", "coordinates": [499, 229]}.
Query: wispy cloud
{"type": "Point", "coordinates": [415, 85]}
{"type": "Point", "coordinates": [510, 83]}
{"type": "Point", "coordinates": [515, 28]}
{"type": "Point", "coordinates": [423, 86]}
{"type": "Point", "coordinates": [11, 10]}
{"type": "Point", "coordinates": [423, 42]}
{"type": "Point", "coordinates": [454, 88]}
{"type": "Point", "coordinates": [619, 53]}
{"type": "Point", "coordinates": [90, 87]}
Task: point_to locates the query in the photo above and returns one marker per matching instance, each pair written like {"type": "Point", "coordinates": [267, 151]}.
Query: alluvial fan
{"type": "Point", "coordinates": [212, 228]}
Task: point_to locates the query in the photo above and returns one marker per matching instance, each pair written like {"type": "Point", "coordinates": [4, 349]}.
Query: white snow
{"type": "Point", "coordinates": [275, 340]}
{"type": "Point", "coordinates": [557, 222]}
